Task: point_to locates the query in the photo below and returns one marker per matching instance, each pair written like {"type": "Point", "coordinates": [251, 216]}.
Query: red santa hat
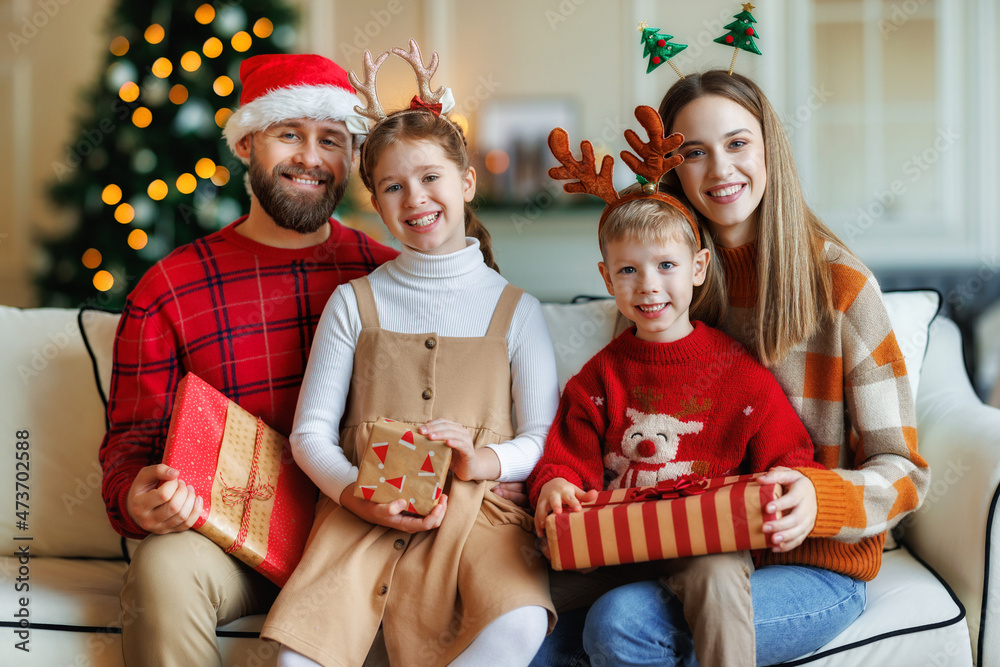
{"type": "Point", "coordinates": [279, 87]}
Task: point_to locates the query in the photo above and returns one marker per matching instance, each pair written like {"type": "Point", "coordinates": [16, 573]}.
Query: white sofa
{"type": "Point", "coordinates": [934, 603]}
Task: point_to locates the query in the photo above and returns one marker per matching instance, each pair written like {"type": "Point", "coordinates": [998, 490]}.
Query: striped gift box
{"type": "Point", "coordinates": [697, 516]}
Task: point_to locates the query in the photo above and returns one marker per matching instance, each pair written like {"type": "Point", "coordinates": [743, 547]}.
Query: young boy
{"type": "Point", "coordinates": [668, 397]}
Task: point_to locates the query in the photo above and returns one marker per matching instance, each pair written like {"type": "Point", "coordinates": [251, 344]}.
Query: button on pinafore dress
{"type": "Point", "coordinates": [433, 591]}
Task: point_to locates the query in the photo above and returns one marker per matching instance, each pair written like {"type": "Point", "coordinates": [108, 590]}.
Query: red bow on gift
{"type": "Point", "coordinates": [686, 485]}
{"type": "Point", "coordinates": [417, 103]}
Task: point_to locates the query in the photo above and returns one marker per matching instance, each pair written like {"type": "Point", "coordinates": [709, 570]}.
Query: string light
{"type": "Point", "coordinates": [129, 92]}
{"type": "Point", "coordinates": [221, 116]}
{"type": "Point", "coordinates": [154, 34]}
{"type": "Point", "coordinates": [137, 239]}
{"type": "Point", "coordinates": [142, 117]}
{"type": "Point", "coordinates": [212, 48]}
{"type": "Point", "coordinates": [186, 183]}
{"type": "Point", "coordinates": [162, 68]}
{"type": "Point", "coordinates": [111, 195]}
{"type": "Point", "coordinates": [221, 176]}
{"type": "Point", "coordinates": [157, 190]}
{"type": "Point", "coordinates": [223, 86]}
{"type": "Point", "coordinates": [92, 258]}
{"type": "Point", "coordinates": [190, 61]}
{"type": "Point", "coordinates": [125, 213]}
{"type": "Point", "coordinates": [205, 168]}
{"type": "Point", "coordinates": [204, 14]}
{"type": "Point", "coordinates": [178, 94]}
{"type": "Point", "coordinates": [241, 41]}
{"type": "Point", "coordinates": [263, 28]}
{"type": "Point", "coordinates": [119, 46]}
{"type": "Point", "coordinates": [103, 281]}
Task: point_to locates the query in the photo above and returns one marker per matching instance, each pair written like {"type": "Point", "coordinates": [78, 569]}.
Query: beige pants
{"type": "Point", "coordinates": [178, 588]}
{"type": "Point", "coordinates": [714, 589]}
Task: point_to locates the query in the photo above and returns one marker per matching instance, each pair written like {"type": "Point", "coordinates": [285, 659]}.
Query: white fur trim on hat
{"type": "Point", "coordinates": [315, 102]}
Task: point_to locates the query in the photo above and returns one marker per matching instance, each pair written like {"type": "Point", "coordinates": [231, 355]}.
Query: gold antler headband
{"type": "Point", "coordinates": [651, 163]}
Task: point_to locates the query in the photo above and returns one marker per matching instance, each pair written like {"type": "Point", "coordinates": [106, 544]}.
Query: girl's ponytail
{"type": "Point", "coordinates": [475, 228]}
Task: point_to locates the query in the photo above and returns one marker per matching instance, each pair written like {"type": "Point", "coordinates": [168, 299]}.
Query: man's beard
{"type": "Point", "coordinates": [302, 212]}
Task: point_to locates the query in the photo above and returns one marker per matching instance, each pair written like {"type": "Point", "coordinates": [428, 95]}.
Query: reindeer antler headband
{"type": "Point", "coordinates": [436, 101]}
{"type": "Point", "coordinates": [651, 163]}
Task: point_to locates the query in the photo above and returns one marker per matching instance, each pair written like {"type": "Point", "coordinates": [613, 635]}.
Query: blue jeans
{"type": "Point", "coordinates": [797, 609]}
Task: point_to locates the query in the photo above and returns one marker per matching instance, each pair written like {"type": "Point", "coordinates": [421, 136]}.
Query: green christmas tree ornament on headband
{"type": "Point", "coordinates": [658, 47]}
{"type": "Point", "coordinates": [741, 34]}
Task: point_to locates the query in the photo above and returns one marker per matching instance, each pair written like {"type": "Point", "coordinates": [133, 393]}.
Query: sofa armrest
{"type": "Point", "coordinates": [954, 529]}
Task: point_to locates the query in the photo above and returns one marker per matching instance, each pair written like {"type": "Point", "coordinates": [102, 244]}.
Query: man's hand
{"type": "Point", "coordinates": [390, 514]}
{"type": "Point", "coordinates": [555, 494]}
{"type": "Point", "coordinates": [160, 502]}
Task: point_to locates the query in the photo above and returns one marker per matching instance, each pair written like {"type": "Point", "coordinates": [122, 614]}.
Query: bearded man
{"type": "Point", "coordinates": [238, 308]}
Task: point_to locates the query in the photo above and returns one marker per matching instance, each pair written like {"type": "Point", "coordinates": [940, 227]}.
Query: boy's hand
{"type": "Point", "coordinates": [797, 505]}
{"type": "Point", "coordinates": [391, 514]}
{"type": "Point", "coordinates": [556, 494]}
{"type": "Point", "coordinates": [467, 462]}
{"type": "Point", "coordinates": [160, 502]}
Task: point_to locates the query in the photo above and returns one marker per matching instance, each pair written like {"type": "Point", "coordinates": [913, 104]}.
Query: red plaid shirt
{"type": "Point", "coordinates": [240, 315]}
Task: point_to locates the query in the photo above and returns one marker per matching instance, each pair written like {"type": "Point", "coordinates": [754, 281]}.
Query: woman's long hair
{"type": "Point", "coordinates": [795, 293]}
{"type": "Point", "coordinates": [419, 125]}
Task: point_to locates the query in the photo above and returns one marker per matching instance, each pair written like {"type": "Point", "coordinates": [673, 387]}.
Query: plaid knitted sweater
{"type": "Point", "coordinates": [849, 385]}
{"type": "Point", "coordinates": [239, 314]}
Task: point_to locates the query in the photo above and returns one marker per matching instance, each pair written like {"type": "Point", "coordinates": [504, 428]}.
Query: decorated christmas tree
{"type": "Point", "coordinates": [741, 34]}
{"type": "Point", "coordinates": [147, 169]}
{"type": "Point", "coordinates": [659, 48]}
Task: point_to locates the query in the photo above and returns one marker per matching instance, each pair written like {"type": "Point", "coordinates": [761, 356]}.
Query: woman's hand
{"type": "Point", "coordinates": [515, 492]}
{"type": "Point", "coordinates": [467, 462]}
{"type": "Point", "coordinates": [391, 514]}
{"type": "Point", "coordinates": [556, 494]}
{"type": "Point", "coordinates": [797, 505]}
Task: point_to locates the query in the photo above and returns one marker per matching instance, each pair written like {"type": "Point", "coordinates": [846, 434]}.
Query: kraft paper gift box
{"type": "Point", "coordinates": [401, 463]}
{"type": "Point", "coordinates": [685, 517]}
{"type": "Point", "coordinates": [258, 505]}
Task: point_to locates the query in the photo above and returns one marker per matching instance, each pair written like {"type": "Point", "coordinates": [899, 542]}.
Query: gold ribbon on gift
{"type": "Point", "coordinates": [240, 515]}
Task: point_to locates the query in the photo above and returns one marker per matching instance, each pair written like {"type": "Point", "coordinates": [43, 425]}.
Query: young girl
{"type": "Point", "coordinates": [812, 313]}
{"type": "Point", "coordinates": [436, 337]}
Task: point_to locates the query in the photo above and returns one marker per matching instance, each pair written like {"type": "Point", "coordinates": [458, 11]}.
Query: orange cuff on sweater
{"type": "Point", "coordinates": [831, 501]}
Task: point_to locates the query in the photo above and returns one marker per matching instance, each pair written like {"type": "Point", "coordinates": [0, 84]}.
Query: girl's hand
{"type": "Point", "coordinates": [467, 462]}
{"type": "Point", "coordinates": [797, 504]}
{"type": "Point", "coordinates": [390, 514]}
{"type": "Point", "coordinates": [555, 494]}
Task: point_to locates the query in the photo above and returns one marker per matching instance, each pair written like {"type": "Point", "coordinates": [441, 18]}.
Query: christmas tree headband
{"type": "Point", "coordinates": [649, 166]}
{"type": "Point", "coordinates": [658, 47]}
{"type": "Point", "coordinates": [435, 101]}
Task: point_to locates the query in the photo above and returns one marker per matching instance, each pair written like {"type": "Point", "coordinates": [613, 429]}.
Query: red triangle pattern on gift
{"type": "Point", "coordinates": [437, 491]}
{"type": "Point", "coordinates": [428, 465]}
{"type": "Point", "coordinates": [397, 482]}
{"type": "Point", "coordinates": [381, 449]}
{"type": "Point", "coordinates": [407, 440]}
{"type": "Point", "coordinates": [368, 491]}
{"type": "Point", "coordinates": [412, 509]}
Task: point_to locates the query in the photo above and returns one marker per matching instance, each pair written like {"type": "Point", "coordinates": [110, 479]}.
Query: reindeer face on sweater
{"type": "Point", "coordinates": [655, 438]}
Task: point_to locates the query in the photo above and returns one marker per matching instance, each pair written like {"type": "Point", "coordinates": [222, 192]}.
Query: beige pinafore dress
{"type": "Point", "coordinates": [432, 591]}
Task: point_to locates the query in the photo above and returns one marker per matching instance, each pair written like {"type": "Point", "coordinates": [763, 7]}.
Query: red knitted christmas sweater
{"type": "Point", "coordinates": [639, 412]}
{"type": "Point", "coordinates": [237, 313]}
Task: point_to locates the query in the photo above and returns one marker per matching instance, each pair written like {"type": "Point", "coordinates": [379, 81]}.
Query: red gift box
{"type": "Point", "coordinates": [400, 463]}
{"type": "Point", "coordinates": [689, 516]}
{"type": "Point", "coordinates": [257, 504]}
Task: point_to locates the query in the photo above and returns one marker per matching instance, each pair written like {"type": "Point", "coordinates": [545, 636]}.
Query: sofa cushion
{"type": "Point", "coordinates": [911, 313]}
{"type": "Point", "coordinates": [51, 404]}
{"type": "Point", "coordinates": [579, 331]}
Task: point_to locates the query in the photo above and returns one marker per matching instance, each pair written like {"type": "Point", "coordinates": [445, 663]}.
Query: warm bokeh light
{"type": "Point", "coordinates": [142, 117]}
{"type": "Point", "coordinates": [137, 239]}
{"type": "Point", "coordinates": [154, 34]}
{"type": "Point", "coordinates": [242, 40]}
{"type": "Point", "coordinates": [221, 116]}
{"type": "Point", "coordinates": [124, 213]}
{"type": "Point", "coordinates": [205, 168]}
{"type": "Point", "coordinates": [190, 61]}
{"type": "Point", "coordinates": [186, 183]}
{"type": "Point", "coordinates": [221, 176]}
{"type": "Point", "coordinates": [178, 94]}
{"type": "Point", "coordinates": [92, 258]}
{"type": "Point", "coordinates": [204, 14]}
{"type": "Point", "coordinates": [111, 195]}
{"type": "Point", "coordinates": [119, 46]}
{"type": "Point", "coordinates": [212, 48]}
{"type": "Point", "coordinates": [497, 161]}
{"type": "Point", "coordinates": [157, 190]}
{"type": "Point", "coordinates": [103, 281]}
{"type": "Point", "coordinates": [223, 86]}
{"type": "Point", "coordinates": [162, 68]}
{"type": "Point", "coordinates": [461, 121]}
{"type": "Point", "coordinates": [263, 28]}
{"type": "Point", "coordinates": [129, 92]}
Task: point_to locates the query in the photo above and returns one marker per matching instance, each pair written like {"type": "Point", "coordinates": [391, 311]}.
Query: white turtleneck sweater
{"type": "Point", "coordinates": [451, 295]}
